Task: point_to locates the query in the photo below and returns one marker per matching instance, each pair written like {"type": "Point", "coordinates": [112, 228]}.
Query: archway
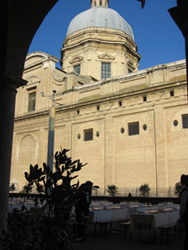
{"type": "Point", "coordinates": [19, 22]}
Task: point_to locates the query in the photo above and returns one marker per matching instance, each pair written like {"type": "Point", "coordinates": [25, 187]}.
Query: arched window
{"type": "Point", "coordinates": [100, 2]}
{"type": "Point", "coordinates": [94, 3]}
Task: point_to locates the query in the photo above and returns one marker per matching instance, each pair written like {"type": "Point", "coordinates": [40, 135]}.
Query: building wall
{"type": "Point", "coordinates": [92, 46]}
{"type": "Point", "coordinates": [155, 97]}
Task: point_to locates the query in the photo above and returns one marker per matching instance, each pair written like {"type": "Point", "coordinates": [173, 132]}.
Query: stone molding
{"type": "Point", "coordinates": [106, 56]}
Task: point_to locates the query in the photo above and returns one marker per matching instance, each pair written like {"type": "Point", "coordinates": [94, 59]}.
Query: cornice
{"type": "Point", "coordinates": [101, 41]}
{"type": "Point", "coordinates": [95, 30]}
{"type": "Point", "coordinates": [32, 115]}
{"type": "Point", "coordinates": [99, 31]}
{"type": "Point", "coordinates": [29, 118]}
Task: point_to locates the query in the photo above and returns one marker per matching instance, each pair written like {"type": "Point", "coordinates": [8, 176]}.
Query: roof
{"type": "Point", "coordinates": [102, 18]}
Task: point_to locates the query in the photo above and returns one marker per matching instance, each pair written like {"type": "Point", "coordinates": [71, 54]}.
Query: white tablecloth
{"type": "Point", "coordinates": [105, 215]}
{"type": "Point", "coordinates": [155, 220]}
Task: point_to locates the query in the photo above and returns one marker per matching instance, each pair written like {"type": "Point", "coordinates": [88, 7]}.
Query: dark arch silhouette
{"type": "Point", "coordinates": [19, 21]}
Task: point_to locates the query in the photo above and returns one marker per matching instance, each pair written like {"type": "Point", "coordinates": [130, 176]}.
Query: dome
{"type": "Point", "coordinates": [102, 18]}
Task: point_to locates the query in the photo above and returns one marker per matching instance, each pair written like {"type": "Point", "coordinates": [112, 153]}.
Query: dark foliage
{"type": "Point", "coordinates": [144, 190]}
{"type": "Point", "coordinates": [47, 226]}
{"type": "Point", "coordinates": [178, 188]}
{"type": "Point", "coordinates": [112, 190]}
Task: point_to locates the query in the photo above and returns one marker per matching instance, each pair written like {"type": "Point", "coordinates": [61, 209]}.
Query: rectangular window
{"type": "Point", "coordinates": [88, 134]}
{"type": "Point", "coordinates": [105, 70]}
{"type": "Point", "coordinates": [133, 128]}
{"type": "Point", "coordinates": [145, 98]}
{"type": "Point", "coordinates": [77, 69]}
{"type": "Point", "coordinates": [172, 93]}
{"type": "Point", "coordinates": [31, 101]}
{"type": "Point", "coordinates": [185, 121]}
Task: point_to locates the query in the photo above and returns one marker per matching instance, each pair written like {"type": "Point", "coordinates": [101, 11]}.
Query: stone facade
{"type": "Point", "coordinates": [96, 46]}
{"type": "Point", "coordinates": [130, 128]}
{"type": "Point", "coordinates": [155, 98]}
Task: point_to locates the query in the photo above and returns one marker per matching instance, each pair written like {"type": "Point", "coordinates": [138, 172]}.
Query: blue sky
{"type": "Point", "coordinates": [158, 38]}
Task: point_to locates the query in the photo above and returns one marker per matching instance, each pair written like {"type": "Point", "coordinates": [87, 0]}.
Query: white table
{"type": "Point", "coordinates": [106, 216]}
{"type": "Point", "coordinates": [155, 220]}
{"type": "Point", "coordinates": [109, 215]}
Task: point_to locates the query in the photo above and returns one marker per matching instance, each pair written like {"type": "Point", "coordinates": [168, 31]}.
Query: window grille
{"type": "Point", "coordinates": [88, 134]}
{"type": "Point", "coordinates": [133, 128]}
{"type": "Point", "coordinates": [105, 70]}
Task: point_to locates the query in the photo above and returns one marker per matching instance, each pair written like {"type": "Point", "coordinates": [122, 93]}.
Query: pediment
{"type": "Point", "coordinates": [106, 56]}
{"type": "Point", "coordinates": [35, 58]}
{"type": "Point", "coordinates": [38, 58]}
{"type": "Point", "coordinates": [33, 80]}
{"type": "Point", "coordinates": [76, 59]}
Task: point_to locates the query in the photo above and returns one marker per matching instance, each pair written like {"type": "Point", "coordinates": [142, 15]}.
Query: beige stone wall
{"type": "Point", "coordinates": [156, 156]}
{"type": "Point", "coordinates": [91, 46]}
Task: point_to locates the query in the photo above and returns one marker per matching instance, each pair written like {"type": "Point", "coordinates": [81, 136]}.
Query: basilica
{"type": "Point", "coordinates": [129, 125]}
